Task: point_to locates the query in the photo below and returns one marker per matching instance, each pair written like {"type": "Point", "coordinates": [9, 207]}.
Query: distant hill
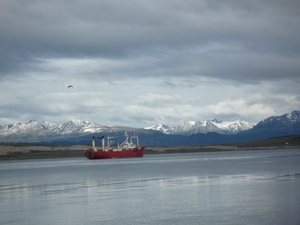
{"type": "Point", "coordinates": [280, 142]}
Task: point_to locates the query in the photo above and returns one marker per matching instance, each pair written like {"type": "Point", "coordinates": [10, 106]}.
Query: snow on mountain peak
{"type": "Point", "coordinates": [215, 125]}
{"type": "Point", "coordinates": [79, 122]}
{"type": "Point", "coordinates": [167, 129]}
{"type": "Point", "coordinates": [78, 126]}
{"type": "Point", "coordinates": [48, 125]}
{"type": "Point", "coordinates": [186, 125]}
{"type": "Point", "coordinates": [35, 127]}
{"type": "Point", "coordinates": [288, 117]}
{"type": "Point", "coordinates": [293, 116]}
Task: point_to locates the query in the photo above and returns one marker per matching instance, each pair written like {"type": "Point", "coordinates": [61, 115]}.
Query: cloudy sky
{"type": "Point", "coordinates": [138, 63]}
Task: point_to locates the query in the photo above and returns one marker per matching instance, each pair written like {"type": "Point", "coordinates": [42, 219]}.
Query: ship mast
{"type": "Point", "coordinates": [93, 142]}
{"type": "Point", "coordinates": [135, 136]}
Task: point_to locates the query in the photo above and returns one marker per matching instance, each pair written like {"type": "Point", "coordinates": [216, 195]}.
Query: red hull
{"type": "Point", "coordinates": [135, 152]}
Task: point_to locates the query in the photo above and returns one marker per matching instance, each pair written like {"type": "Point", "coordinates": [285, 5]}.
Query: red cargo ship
{"type": "Point", "coordinates": [124, 150]}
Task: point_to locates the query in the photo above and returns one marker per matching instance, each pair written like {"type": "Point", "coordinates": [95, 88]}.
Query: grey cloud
{"type": "Point", "coordinates": [116, 27]}
{"type": "Point", "coordinates": [189, 48]}
{"type": "Point", "coordinates": [165, 101]}
{"type": "Point", "coordinates": [61, 104]}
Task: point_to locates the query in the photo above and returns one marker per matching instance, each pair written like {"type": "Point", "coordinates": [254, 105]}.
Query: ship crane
{"type": "Point", "coordinates": [136, 137]}
{"type": "Point", "coordinates": [111, 140]}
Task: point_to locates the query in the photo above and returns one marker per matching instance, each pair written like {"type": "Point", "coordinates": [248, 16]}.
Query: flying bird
{"type": "Point", "coordinates": [70, 86]}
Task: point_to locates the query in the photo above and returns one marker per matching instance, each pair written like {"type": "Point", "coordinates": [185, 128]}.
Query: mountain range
{"type": "Point", "coordinates": [191, 127]}
{"type": "Point", "coordinates": [187, 133]}
{"type": "Point", "coordinates": [36, 128]}
{"type": "Point", "coordinates": [47, 128]}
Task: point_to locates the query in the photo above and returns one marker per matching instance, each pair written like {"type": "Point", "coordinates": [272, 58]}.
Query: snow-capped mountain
{"type": "Point", "coordinates": [35, 128]}
{"type": "Point", "coordinates": [188, 127]}
{"type": "Point", "coordinates": [78, 126]}
{"type": "Point", "coordinates": [287, 124]}
{"type": "Point", "coordinates": [22, 128]}
{"type": "Point", "coordinates": [287, 118]}
{"type": "Point", "coordinates": [46, 128]}
{"type": "Point", "coordinates": [166, 129]}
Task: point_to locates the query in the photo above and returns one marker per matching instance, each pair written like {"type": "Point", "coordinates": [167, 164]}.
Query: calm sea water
{"type": "Point", "coordinates": [247, 187]}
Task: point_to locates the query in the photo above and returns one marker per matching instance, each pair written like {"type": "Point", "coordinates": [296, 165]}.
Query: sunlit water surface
{"type": "Point", "coordinates": [245, 187]}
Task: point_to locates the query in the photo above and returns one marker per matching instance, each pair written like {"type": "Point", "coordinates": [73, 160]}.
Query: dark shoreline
{"type": "Point", "coordinates": [19, 151]}
{"type": "Point", "coordinates": [33, 154]}
{"type": "Point", "coordinates": [41, 155]}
